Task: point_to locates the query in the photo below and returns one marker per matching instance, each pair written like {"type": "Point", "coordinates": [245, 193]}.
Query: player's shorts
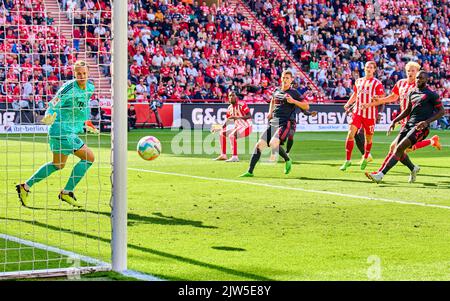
{"type": "Point", "coordinates": [65, 144]}
{"type": "Point", "coordinates": [282, 132]}
{"type": "Point", "coordinates": [413, 135]}
{"type": "Point", "coordinates": [367, 123]}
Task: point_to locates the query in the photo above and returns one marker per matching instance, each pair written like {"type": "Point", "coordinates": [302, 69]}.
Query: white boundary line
{"type": "Point", "coordinates": [288, 188]}
{"type": "Point", "coordinates": [294, 188]}
{"type": "Point", "coordinates": [98, 264]}
{"type": "Point", "coordinates": [54, 250]}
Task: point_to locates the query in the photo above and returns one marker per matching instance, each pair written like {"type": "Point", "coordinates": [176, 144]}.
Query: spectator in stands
{"type": "Point", "coordinates": [141, 90]}
{"type": "Point", "coordinates": [339, 92]}
{"type": "Point", "coordinates": [401, 31]}
{"type": "Point", "coordinates": [131, 91]}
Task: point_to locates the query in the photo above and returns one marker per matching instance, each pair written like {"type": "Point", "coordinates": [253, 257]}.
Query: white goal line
{"type": "Point", "coordinates": [98, 265]}
{"type": "Point", "coordinates": [294, 188]}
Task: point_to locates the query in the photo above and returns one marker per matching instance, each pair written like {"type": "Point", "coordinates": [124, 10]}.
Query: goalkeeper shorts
{"type": "Point", "coordinates": [65, 144]}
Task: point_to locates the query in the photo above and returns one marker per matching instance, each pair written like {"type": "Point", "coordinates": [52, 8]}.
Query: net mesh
{"type": "Point", "coordinates": [39, 42]}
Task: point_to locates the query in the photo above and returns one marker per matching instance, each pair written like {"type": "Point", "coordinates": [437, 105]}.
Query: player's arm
{"type": "Point", "coordinates": [402, 115]}
{"type": "Point", "coordinates": [379, 100]}
{"type": "Point", "coordinates": [52, 107]}
{"type": "Point", "coordinates": [217, 126]}
{"type": "Point", "coordinates": [309, 113]}
{"type": "Point", "coordinates": [350, 102]}
{"type": "Point", "coordinates": [271, 108]}
{"type": "Point", "coordinates": [303, 105]}
{"type": "Point", "coordinates": [440, 111]}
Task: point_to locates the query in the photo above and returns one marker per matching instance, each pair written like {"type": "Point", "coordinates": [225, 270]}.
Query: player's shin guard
{"type": "Point", "coordinates": [233, 141]}
{"type": "Point", "coordinates": [223, 143]}
{"type": "Point", "coordinates": [282, 153]}
{"type": "Point", "coordinates": [421, 144]}
{"type": "Point", "coordinates": [349, 144]}
{"type": "Point", "coordinates": [368, 147]}
{"type": "Point", "coordinates": [390, 163]}
{"type": "Point", "coordinates": [43, 172]}
{"type": "Point", "coordinates": [255, 158]}
{"type": "Point", "coordinates": [78, 172]}
{"type": "Point", "coordinates": [407, 162]}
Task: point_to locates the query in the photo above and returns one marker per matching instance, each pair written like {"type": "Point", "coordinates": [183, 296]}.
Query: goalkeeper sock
{"type": "Point", "coordinates": [255, 158]}
{"type": "Point", "coordinates": [43, 172]}
{"type": "Point", "coordinates": [77, 173]}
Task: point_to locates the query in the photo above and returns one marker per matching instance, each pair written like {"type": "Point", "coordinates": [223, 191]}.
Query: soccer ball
{"type": "Point", "coordinates": [149, 148]}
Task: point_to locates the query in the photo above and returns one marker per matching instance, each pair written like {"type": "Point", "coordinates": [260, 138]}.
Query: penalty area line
{"type": "Point", "coordinates": [294, 188]}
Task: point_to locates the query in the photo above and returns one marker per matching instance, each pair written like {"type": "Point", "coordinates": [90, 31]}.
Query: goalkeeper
{"type": "Point", "coordinates": [66, 115]}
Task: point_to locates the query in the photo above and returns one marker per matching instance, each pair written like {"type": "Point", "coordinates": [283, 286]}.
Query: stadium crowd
{"type": "Point", "coordinates": [34, 58]}
{"type": "Point", "coordinates": [180, 51]}
{"type": "Point", "coordinates": [333, 39]}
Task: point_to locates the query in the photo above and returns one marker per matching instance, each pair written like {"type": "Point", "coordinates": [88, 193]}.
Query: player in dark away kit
{"type": "Point", "coordinates": [284, 102]}
{"type": "Point", "coordinates": [423, 108]}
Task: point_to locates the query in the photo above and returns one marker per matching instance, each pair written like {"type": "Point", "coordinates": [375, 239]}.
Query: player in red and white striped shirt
{"type": "Point", "coordinates": [364, 90]}
{"type": "Point", "coordinates": [239, 114]}
{"type": "Point", "coordinates": [400, 92]}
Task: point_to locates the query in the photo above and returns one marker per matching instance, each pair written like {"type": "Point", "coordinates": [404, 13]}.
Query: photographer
{"type": "Point", "coordinates": [131, 117]}
{"type": "Point", "coordinates": [155, 104]}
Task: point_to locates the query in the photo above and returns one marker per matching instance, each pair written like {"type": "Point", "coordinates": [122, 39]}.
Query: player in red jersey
{"type": "Point", "coordinates": [239, 114]}
{"type": "Point", "coordinates": [364, 90]}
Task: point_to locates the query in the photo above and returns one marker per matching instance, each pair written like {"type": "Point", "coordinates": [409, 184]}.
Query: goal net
{"type": "Point", "coordinates": [40, 40]}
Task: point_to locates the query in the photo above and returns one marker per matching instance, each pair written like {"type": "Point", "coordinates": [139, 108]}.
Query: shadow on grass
{"type": "Point", "coordinates": [182, 259]}
{"type": "Point", "coordinates": [134, 219]}
{"type": "Point", "coordinates": [224, 248]}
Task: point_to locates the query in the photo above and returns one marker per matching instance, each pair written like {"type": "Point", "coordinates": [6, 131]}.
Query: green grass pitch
{"type": "Point", "coordinates": [192, 218]}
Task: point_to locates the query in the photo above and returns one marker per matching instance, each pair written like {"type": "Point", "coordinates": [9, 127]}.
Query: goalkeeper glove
{"type": "Point", "coordinates": [49, 119]}
{"type": "Point", "coordinates": [90, 127]}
